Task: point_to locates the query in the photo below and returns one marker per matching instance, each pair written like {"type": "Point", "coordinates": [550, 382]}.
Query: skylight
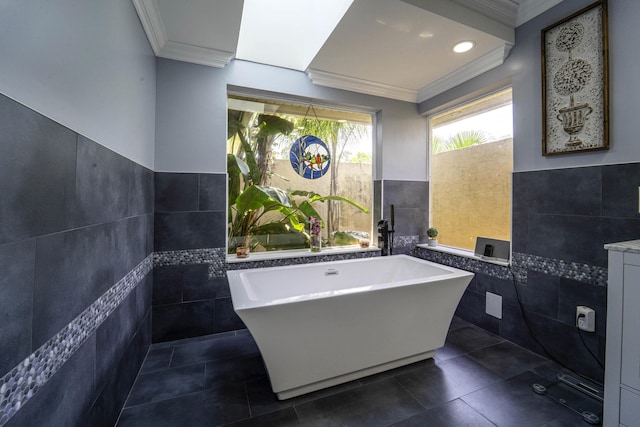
{"type": "Point", "coordinates": [287, 33]}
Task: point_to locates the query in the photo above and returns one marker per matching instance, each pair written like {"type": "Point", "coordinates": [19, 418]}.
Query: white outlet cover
{"type": "Point", "coordinates": [494, 305]}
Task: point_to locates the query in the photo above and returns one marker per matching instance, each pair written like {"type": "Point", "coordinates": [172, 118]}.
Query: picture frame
{"type": "Point", "coordinates": [575, 82]}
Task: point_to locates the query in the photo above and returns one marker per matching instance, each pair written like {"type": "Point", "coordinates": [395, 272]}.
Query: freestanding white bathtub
{"type": "Point", "coordinates": [318, 325]}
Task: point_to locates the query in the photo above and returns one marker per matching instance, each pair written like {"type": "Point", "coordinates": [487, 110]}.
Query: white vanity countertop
{"type": "Point", "coordinates": [630, 246]}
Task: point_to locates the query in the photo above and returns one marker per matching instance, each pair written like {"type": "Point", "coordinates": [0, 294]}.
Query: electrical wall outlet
{"type": "Point", "coordinates": [585, 318]}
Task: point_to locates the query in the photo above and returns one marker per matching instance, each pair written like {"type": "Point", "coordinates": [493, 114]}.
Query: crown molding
{"type": "Point", "coordinates": [529, 9]}
{"type": "Point", "coordinates": [503, 11]}
{"type": "Point", "coordinates": [152, 23]}
{"type": "Point", "coordinates": [195, 54]}
{"type": "Point", "coordinates": [162, 47]}
{"type": "Point", "coordinates": [485, 63]}
{"type": "Point", "coordinates": [469, 13]}
{"type": "Point", "coordinates": [337, 81]}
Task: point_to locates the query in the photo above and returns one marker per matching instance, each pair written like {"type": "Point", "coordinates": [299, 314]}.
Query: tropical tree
{"type": "Point", "coordinates": [360, 157]}
{"type": "Point", "coordinates": [336, 135]}
{"type": "Point", "coordinates": [461, 139]}
{"type": "Point", "coordinates": [256, 134]}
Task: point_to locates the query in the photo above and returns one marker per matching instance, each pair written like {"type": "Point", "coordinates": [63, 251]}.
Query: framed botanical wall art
{"type": "Point", "coordinates": [575, 83]}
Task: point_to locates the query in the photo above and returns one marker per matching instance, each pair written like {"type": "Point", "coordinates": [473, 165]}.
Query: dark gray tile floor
{"type": "Point", "coordinates": [477, 379]}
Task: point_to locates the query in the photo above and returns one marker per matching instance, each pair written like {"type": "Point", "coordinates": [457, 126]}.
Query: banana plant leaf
{"type": "Point", "coordinates": [238, 171]}
{"type": "Point", "coordinates": [250, 157]}
{"type": "Point", "coordinates": [273, 125]}
{"type": "Point", "coordinates": [277, 235]}
{"type": "Point", "coordinates": [234, 125]}
{"type": "Point", "coordinates": [255, 197]}
{"type": "Point", "coordinates": [315, 197]}
{"type": "Point", "coordinates": [308, 210]}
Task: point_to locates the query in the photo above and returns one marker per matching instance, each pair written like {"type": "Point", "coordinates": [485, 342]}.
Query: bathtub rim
{"type": "Point", "coordinates": [235, 280]}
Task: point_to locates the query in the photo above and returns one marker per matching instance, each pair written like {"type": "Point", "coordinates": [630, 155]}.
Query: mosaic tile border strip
{"type": "Point", "coordinates": [23, 381]}
{"type": "Point", "coordinates": [404, 244]}
{"type": "Point", "coordinates": [403, 241]}
{"type": "Point", "coordinates": [216, 258]}
{"type": "Point", "coordinates": [568, 270]}
{"type": "Point", "coordinates": [520, 264]}
{"type": "Point", "coordinates": [463, 263]}
{"type": "Point", "coordinates": [281, 262]}
{"type": "Point", "coordinates": [189, 256]}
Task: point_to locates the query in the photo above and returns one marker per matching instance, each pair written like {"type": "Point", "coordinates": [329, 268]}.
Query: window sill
{"type": "Point", "coordinates": [465, 253]}
{"type": "Point", "coordinates": [298, 253]}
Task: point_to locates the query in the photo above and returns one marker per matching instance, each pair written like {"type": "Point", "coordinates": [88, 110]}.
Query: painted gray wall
{"type": "Point", "coordinates": [523, 69]}
{"type": "Point", "coordinates": [86, 65]}
{"type": "Point", "coordinates": [191, 121]}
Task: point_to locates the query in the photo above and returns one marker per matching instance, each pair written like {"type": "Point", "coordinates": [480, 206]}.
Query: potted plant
{"type": "Point", "coordinates": [432, 233]}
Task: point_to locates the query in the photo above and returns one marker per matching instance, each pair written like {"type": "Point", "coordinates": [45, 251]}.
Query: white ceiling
{"type": "Point", "coordinates": [398, 49]}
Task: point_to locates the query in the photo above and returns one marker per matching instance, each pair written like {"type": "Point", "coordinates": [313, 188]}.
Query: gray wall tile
{"type": "Point", "coordinates": [619, 229]}
{"type": "Point", "coordinates": [66, 396]}
{"type": "Point", "coordinates": [196, 284]}
{"type": "Point", "coordinates": [113, 337]}
{"type": "Point", "coordinates": [167, 285]}
{"type": "Point", "coordinates": [185, 320]}
{"type": "Point", "coordinates": [106, 408]}
{"type": "Point", "coordinates": [176, 192]}
{"type": "Point", "coordinates": [472, 309]}
{"type": "Point", "coordinates": [143, 298]}
{"type": "Point", "coordinates": [16, 302]}
{"type": "Point", "coordinates": [620, 190]}
{"type": "Point", "coordinates": [37, 173]}
{"type": "Point", "coordinates": [569, 238]}
{"type": "Point", "coordinates": [72, 270]}
{"type": "Point", "coordinates": [213, 192]}
{"type": "Point", "coordinates": [103, 180]}
{"type": "Point", "coordinates": [575, 191]}
{"type": "Point", "coordinates": [131, 246]}
{"type": "Point", "coordinates": [407, 194]}
{"type": "Point", "coordinates": [189, 230]}
{"type": "Point", "coordinates": [226, 318]}
{"type": "Point", "coordinates": [411, 206]}
{"type": "Point", "coordinates": [141, 191]}
{"type": "Point", "coordinates": [540, 294]}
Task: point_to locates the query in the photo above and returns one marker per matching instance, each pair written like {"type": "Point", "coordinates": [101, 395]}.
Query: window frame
{"type": "Point", "coordinates": [443, 110]}
{"type": "Point", "coordinates": [313, 104]}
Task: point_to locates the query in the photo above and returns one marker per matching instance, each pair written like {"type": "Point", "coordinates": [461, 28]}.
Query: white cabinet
{"type": "Point", "coordinates": [630, 369]}
{"type": "Point", "coordinates": [622, 373]}
{"type": "Point", "coordinates": [629, 404]}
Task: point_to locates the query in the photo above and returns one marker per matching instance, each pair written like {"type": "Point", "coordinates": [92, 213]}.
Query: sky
{"type": "Point", "coordinates": [497, 123]}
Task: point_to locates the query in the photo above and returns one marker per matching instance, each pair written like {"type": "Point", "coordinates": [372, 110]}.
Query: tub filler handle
{"type": "Point", "coordinates": [331, 272]}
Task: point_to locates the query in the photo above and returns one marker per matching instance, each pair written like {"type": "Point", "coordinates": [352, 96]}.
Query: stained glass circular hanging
{"type": "Point", "coordinates": [309, 157]}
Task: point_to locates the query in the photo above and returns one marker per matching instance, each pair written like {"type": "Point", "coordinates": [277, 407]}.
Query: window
{"type": "Point", "coordinates": [471, 166]}
{"type": "Point", "coordinates": [287, 162]}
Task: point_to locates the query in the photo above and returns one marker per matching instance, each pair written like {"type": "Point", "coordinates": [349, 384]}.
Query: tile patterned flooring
{"type": "Point", "coordinates": [477, 379]}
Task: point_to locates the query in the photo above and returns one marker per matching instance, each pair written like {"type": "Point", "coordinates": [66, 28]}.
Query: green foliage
{"type": "Point", "coordinates": [260, 214]}
{"type": "Point", "coordinates": [432, 233]}
{"type": "Point", "coordinates": [273, 125]}
{"type": "Point", "coordinates": [360, 157]}
{"type": "Point", "coordinates": [342, 238]}
{"type": "Point", "coordinates": [461, 139]}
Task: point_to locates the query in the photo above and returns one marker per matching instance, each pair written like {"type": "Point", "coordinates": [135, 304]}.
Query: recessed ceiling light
{"type": "Point", "coordinates": [425, 35]}
{"type": "Point", "coordinates": [463, 46]}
